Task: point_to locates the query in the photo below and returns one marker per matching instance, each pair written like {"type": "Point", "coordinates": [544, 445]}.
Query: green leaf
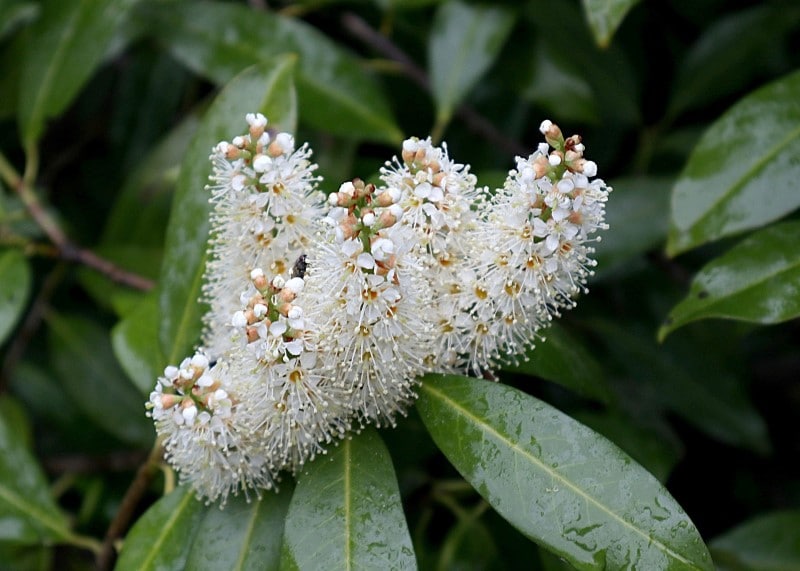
{"type": "Point", "coordinates": [655, 448]}
{"type": "Point", "coordinates": [28, 514]}
{"type": "Point", "coordinates": [15, 285]}
{"type": "Point", "coordinates": [703, 387]}
{"type": "Point", "coordinates": [468, 546]}
{"type": "Point", "coordinates": [559, 88]}
{"type": "Point", "coordinates": [769, 542]}
{"type": "Point", "coordinates": [464, 42]}
{"type": "Point", "coordinates": [561, 358]}
{"type": "Point", "coordinates": [82, 356]}
{"type": "Point", "coordinates": [335, 93]}
{"type": "Point", "coordinates": [65, 46]}
{"type": "Point", "coordinates": [266, 87]}
{"type": "Point", "coordinates": [141, 209]}
{"type": "Point", "coordinates": [638, 217]}
{"type": "Point", "coordinates": [246, 535]}
{"type": "Point", "coordinates": [162, 537]}
{"type": "Point", "coordinates": [346, 512]}
{"type": "Point", "coordinates": [743, 172]}
{"type": "Point", "coordinates": [566, 487]}
{"type": "Point", "coordinates": [607, 71]}
{"type": "Point", "coordinates": [14, 13]}
{"type": "Point", "coordinates": [605, 16]}
{"type": "Point", "coordinates": [135, 343]}
{"type": "Point", "coordinates": [18, 557]}
{"type": "Point", "coordinates": [732, 52]}
{"type": "Point", "coordinates": [758, 280]}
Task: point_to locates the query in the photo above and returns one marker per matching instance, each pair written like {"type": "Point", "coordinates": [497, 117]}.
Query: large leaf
{"type": "Point", "coordinates": [346, 512]}
{"type": "Point", "coordinates": [218, 40]}
{"type": "Point", "coordinates": [744, 170]}
{"type": "Point", "coordinates": [732, 52]}
{"type": "Point", "coordinates": [82, 356]}
{"type": "Point", "coordinates": [65, 46]}
{"type": "Point", "coordinates": [266, 87]}
{"type": "Point", "coordinates": [562, 359]}
{"type": "Point", "coordinates": [757, 280]}
{"type": "Point", "coordinates": [464, 42]}
{"type": "Point", "coordinates": [15, 285]}
{"type": "Point", "coordinates": [558, 482]}
{"type": "Point", "coordinates": [16, 12]}
{"type": "Point", "coordinates": [162, 537]}
{"type": "Point", "coordinates": [28, 514]}
{"type": "Point", "coordinates": [135, 343]}
{"type": "Point", "coordinates": [246, 535]}
{"type": "Point", "coordinates": [654, 447]}
{"type": "Point", "coordinates": [605, 16]}
{"type": "Point", "coordinates": [769, 542]}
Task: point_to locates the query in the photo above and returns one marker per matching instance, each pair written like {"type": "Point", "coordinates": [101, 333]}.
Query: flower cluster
{"type": "Point", "coordinates": [323, 314]}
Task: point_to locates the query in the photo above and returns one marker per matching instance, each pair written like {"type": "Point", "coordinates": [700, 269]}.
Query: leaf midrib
{"type": "Point", "coordinates": [556, 476]}
{"type": "Point", "coordinates": [18, 502]}
{"type": "Point", "coordinates": [740, 183]}
{"type": "Point", "coordinates": [159, 540]}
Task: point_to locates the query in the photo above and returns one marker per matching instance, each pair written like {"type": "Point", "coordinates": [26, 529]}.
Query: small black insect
{"type": "Point", "coordinates": [299, 267]}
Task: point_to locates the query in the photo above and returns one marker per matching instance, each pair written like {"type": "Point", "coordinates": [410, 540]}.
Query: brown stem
{"type": "Point", "coordinates": [67, 250]}
{"type": "Point", "coordinates": [476, 122]}
{"type": "Point", "coordinates": [124, 515]}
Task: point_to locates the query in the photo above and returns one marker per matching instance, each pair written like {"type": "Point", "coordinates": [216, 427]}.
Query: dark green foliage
{"type": "Point", "coordinates": [655, 419]}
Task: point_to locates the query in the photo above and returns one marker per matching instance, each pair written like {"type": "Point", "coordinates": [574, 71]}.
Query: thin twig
{"type": "Point", "coordinates": [476, 122]}
{"type": "Point", "coordinates": [125, 513]}
{"type": "Point", "coordinates": [67, 250]}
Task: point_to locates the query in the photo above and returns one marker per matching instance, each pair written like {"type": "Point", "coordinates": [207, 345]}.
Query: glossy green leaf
{"type": "Point", "coordinates": [655, 448]}
{"type": "Point", "coordinates": [267, 87]}
{"type": "Point", "coordinates": [638, 216]}
{"type": "Point", "coordinates": [561, 484]}
{"type": "Point", "coordinates": [769, 542]}
{"type": "Point", "coordinates": [28, 514]}
{"type": "Point", "coordinates": [161, 539]}
{"type": "Point", "coordinates": [732, 52]}
{"type": "Point", "coordinates": [15, 285]}
{"type": "Point", "coordinates": [65, 46]}
{"type": "Point", "coordinates": [704, 387]}
{"type": "Point", "coordinates": [346, 512]}
{"type": "Point", "coordinates": [464, 43]}
{"type": "Point", "coordinates": [246, 535]}
{"type": "Point", "coordinates": [14, 13]}
{"type": "Point", "coordinates": [742, 173]}
{"type": "Point", "coordinates": [335, 93]}
{"type": "Point", "coordinates": [605, 16]}
{"type": "Point", "coordinates": [135, 343]}
{"type": "Point", "coordinates": [82, 356]}
{"type": "Point", "coordinates": [561, 358]}
{"type": "Point", "coordinates": [758, 280]}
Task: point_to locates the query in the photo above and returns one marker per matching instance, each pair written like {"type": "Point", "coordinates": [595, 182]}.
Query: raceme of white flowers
{"type": "Point", "coordinates": [325, 311]}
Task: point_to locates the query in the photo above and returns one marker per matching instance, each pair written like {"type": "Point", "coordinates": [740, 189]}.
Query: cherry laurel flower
{"type": "Point", "coordinates": [323, 314]}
